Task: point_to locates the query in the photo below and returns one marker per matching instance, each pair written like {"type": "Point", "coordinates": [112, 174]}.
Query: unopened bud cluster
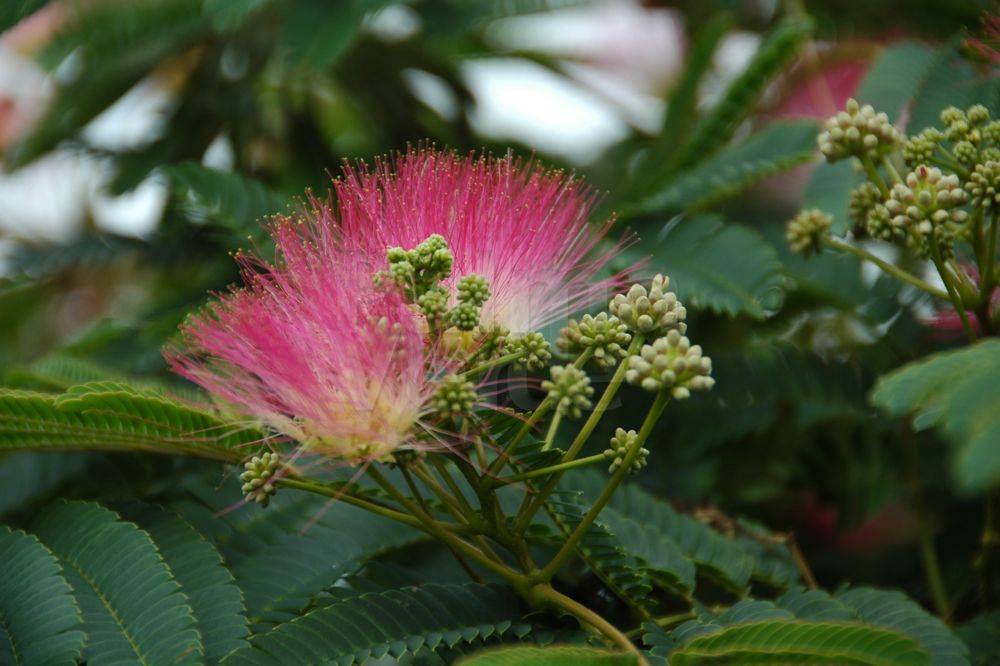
{"type": "Point", "coordinates": [651, 312]}
{"type": "Point", "coordinates": [454, 397]}
{"type": "Point", "coordinates": [929, 205]}
{"type": "Point", "coordinates": [606, 337]}
{"type": "Point", "coordinates": [671, 363]}
{"type": "Point", "coordinates": [570, 389]}
{"type": "Point", "coordinates": [419, 273]}
{"type": "Point", "coordinates": [258, 478]}
{"type": "Point", "coordinates": [863, 199]}
{"type": "Point", "coordinates": [621, 443]}
{"type": "Point", "coordinates": [805, 231]}
{"type": "Point", "coordinates": [535, 351]}
{"type": "Point", "coordinates": [953, 169]}
{"type": "Point", "coordinates": [984, 185]}
{"type": "Point", "coordinates": [858, 131]}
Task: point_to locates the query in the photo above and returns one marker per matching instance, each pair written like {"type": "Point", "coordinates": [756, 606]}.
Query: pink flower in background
{"type": "Point", "coordinates": [312, 349]}
{"type": "Point", "coordinates": [522, 228]}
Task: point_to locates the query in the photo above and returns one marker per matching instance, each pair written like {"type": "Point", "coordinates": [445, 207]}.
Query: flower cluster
{"type": "Point", "coordinates": [622, 441]}
{"type": "Point", "coordinates": [605, 337]}
{"type": "Point", "coordinates": [671, 363]}
{"type": "Point", "coordinates": [858, 131]}
{"type": "Point", "coordinates": [570, 389]}
{"type": "Point", "coordinates": [929, 194]}
{"type": "Point", "coordinates": [653, 311]}
{"type": "Point", "coordinates": [346, 343]}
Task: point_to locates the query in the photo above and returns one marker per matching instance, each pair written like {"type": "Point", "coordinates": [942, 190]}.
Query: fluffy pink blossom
{"type": "Point", "coordinates": [522, 228]}
{"type": "Point", "coordinates": [309, 347]}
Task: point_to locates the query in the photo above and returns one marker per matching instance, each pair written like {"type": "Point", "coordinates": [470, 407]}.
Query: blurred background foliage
{"type": "Point", "coordinates": [144, 140]}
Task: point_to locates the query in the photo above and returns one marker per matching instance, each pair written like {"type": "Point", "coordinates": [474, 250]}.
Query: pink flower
{"type": "Point", "coordinates": [312, 349]}
{"type": "Point", "coordinates": [523, 229]}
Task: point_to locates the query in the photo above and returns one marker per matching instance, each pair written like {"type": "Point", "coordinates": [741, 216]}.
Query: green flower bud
{"type": "Point", "coordinates": [882, 225]}
{"type": "Point", "coordinates": [858, 131]}
{"type": "Point", "coordinates": [952, 115]}
{"type": "Point", "coordinates": [991, 132]}
{"type": "Point", "coordinates": [569, 389]}
{"type": "Point", "coordinates": [464, 316]}
{"type": "Point", "coordinates": [863, 199]}
{"type": "Point", "coordinates": [671, 363]}
{"type": "Point", "coordinates": [622, 441]}
{"type": "Point", "coordinates": [977, 114]}
{"type": "Point", "coordinates": [455, 396]}
{"type": "Point", "coordinates": [258, 478]}
{"type": "Point", "coordinates": [434, 303]}
{"type": "Point", "coordinates": [419, 270]}
{"type": "Point", "coordinates": [920, 149]}
{"type": "Point", "coordinates": [651, 312]}
{"type": "Point", "coordinates": [984, 185]}
{"type": "Point", "coordinates": [965, 152]}
{"type": "Point", "coordinates": [536, 350]}
{"type": "Point", "coordinates": [606, 336]}
{"type": "Point", "coordinates": [805, 231]}
{"type": "Point", "coordinates": [473, 289]}
{"type": "Point", "coordinates": [929, 205]}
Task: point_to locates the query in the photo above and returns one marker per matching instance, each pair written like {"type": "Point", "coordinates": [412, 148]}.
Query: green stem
{"type": "Point", "coordinates": [547, 595]}
{"type": "Point", "coordinates": [540, 411]}
{"type": "Point", "coordinates": [872, 172]}
{"type": "Point", "coordinates": [492, 363]}
{"type": "Point", "coordinates": [552, 469]}
{"type": "Point", "coordinates": [433, 527]}
{"type": "Point", "coordinates": [531, 507]}
{"type": "Point", "coordinates": [571, 543]}
{"type": "Point", "coordinates": [891, 269]}
{"type": "Point", "coordinates": [953, 295]}
{"type": "Point", "coordinates": [988, 560]}
{"type": "Point", "coordinates": [469, 571]}
{"type": "Point", "coordinates": [339, 494]}
{"type": "Point", "coordinates": [553, 429]}
{"type": "Point", "coordinates": [463, 504]}
{"type": "Point", "coordinates": [891, 169]}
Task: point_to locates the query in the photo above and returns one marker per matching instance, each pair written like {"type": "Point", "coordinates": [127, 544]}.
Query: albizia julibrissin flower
{"type": "Point", "coordinates": [522, 228]}
{"type": "Point", "coordinates": [312, 349]}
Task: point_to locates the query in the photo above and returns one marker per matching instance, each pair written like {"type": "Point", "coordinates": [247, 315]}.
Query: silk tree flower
{"type": "Point", "coordinates": [523, 229]}
{"type": "Point", "coordinates": [313, 349]}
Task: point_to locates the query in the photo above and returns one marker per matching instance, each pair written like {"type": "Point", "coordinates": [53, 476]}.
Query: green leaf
{"type": "Point", "coordinates": [27, 476]}
{"type": "Point", "coordinates": [829, 190]}
{"type": "Point", "coordinates": [40, 622]}
{"type": "Point", "coordinates": [784, 641]}
{"type": "Point", "coordinates": [778, 147]}
{"type": "Point", "coordinates": [682, 114]}
{"type": "Point", "coordinates": [954, 391]}
{"type": "Point", "coordinates": [214, 597]}
{"type": "Point", "coordinates": [601, 549]}
{"type": "Point", "coordinates": [316, 33]}
{"type": "Point", "coordinates": [554, 655]}
{"type": "Point", "coordinates": [395, 622]}
{"type": "Point", "coordinates": [951, 80]}
{"type": "Point", "coordinates": [56, 373]}
{"type": "Point", "coordinates": [713, 554]}
{"type": "Point", "coordinates": [228, 199]}
{"type": "Point", "coordinates": [896, 77]}
{"type": "Point", "coordinates": [113, 416]}
{"type": "Point", "coordinates": [229, 15]}
{"type": "Point", "coordinates": [300, 545]}
{"type": "Point", "coordinates": [133, 609]}
{"type": "Point", "coordinates": [982, 635]}
{"type": "Point", "coordinates": [13, 11]}
{"type": "Point", "coordinates": [892, 609]}
{"type": "Point", "coordinates": [117, 43]}
{"type": "Point", "coordinates": [727, 268]}
{"type": "Point", "coordinates": [718, 126]}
